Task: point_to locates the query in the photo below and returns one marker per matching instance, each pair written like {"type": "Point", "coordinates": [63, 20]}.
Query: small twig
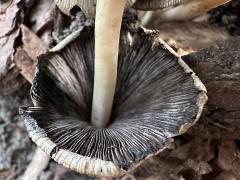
{"type": "Point", "coordinates": [39, 163]}
{"type": "Point", "coordinates": [67, 40]}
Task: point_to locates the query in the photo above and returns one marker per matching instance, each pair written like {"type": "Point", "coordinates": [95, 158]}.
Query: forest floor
{"type": "Point", "coordinates": [210, 150]}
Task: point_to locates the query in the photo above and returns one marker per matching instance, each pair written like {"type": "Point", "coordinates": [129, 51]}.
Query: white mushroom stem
{"type": "Point", "coordinates": [107, 33]}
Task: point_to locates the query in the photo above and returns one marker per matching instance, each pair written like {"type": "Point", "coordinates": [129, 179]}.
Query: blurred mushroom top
{"type": "Point", "coordinates": [89, 6]}
{"type": "Point", "coordinates": [157, 97]}
{"type": "Point", "coordinates": [155, 4]}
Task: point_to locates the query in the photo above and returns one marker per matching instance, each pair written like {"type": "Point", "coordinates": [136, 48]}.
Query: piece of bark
{"type": "Point", "coordinates": [226, 162]}
{"type": "Point", "coordinates": [188, 37]}
{"type": "Point", "coordinates": [219, 69]}
{"type": "Point", "coordinates": [182, 161]}
{"type": "Point", "coordinates": [229, 157]}
{"type": "Point", "coordinates": [192, 159]}
{"type": "Point", "coordinates": [225, 175]}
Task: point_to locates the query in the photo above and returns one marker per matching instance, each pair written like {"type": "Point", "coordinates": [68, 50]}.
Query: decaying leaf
{"type": "Point", "coordinates": [9, 16]}
{"type": "Point", "coordinates": [32, 44]}
{"type": "Point", "coordinates": [25, 64]}
{"type": "Point", "coordinates": [26, 56]}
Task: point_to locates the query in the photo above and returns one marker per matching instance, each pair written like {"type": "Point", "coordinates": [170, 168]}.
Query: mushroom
{"type": "Point", "coordinates": [154, 10]}
{"type": "Point", "coordinates": [87, 6]}
{"type": "Point", "coordinates": [181, 11]}
{"type": "Point", "coordinates": [157, 98]}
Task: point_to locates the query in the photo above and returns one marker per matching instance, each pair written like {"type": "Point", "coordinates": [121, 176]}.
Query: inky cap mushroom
{"type": "Point", "coordinates": [89, 6]}
{"type": "Point", "coordinates": [157, 98]}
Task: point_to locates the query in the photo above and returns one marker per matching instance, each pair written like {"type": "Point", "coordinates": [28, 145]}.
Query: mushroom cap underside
{"type": "Point", "coordinates": [157, 97]}
{"type": "Point", "coordinates": [89, 6]}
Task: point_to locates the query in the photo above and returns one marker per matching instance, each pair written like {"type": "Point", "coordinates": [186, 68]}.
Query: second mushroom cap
{"type": "Point", "coordinates": [89, 6]}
